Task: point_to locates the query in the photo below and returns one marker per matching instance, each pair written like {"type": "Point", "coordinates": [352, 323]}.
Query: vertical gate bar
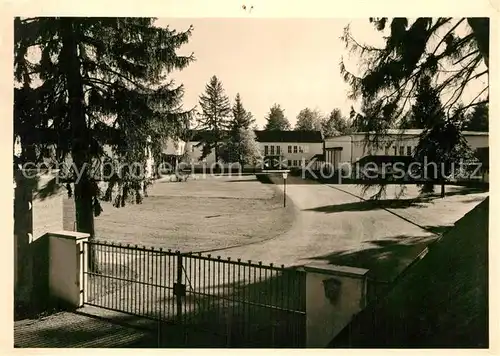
{"type": "Point", "coordinates": [241, 316]}
{"type": "Point", "coordinates": [149, 299]}
{"type": "Point", "coordinates": [153, 284]}
{"type": "Point", "coordinates": [169, 281]}
{"type": "Point", "coordinates": [158, 283]}
{"type": "Point", "coordinates": [130, 273]}
{"type": "Point", "coordinates": [248, 297]}
{"type": "Point", "coordinates": [85, 271]}
{"type": "Point", "coordinates": [93, 258]}
{"type": "Point", "coordinates": [122, 283]}
{"type": "Point", "coordinates": [192, 305]}
{"type": "Point", "coordinates": [140, 285]}
{"type": "Point", "coordinates": [179, 282]}
{"type": "Point", "coordinates": [214, 298]}
{"type": "Point", "coordinates": [185, 279]}
{"type": "Point", "coordinates": [209, 285]}
{"type": "Point", "coordinates": [255, 309]}
{"type": "Point", "coordinates": [244, 304]}
{"type": "Point", "coordinates": [138, 273]}
{"type": "Point", "coordinates": [229, 303]}
{"type": "Point", "coordinates": [232, 291]}
{"type": "Point", "coordinates": [101, 265]}
{"type": "Point", "coordinates": [292, 306]}
{"type": "Point", "coordinates": [114, 273]}
{"type": "Point", "coordinates": [218, 300]}
{"type": "Point", "coordinates": [159, 294]}
{"type": "Point", "coordinates": [143, 284]}
{"type": "Point", "coordinates": [120, 271]}
{"type": "Point", "coordinates": [200, 278]}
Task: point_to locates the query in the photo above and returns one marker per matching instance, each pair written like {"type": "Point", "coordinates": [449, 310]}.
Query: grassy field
{"type": "Point", "coordinates": [199, 215]}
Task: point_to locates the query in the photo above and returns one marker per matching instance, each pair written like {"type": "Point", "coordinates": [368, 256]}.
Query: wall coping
{"type": "Point", "coordinates": [72, 235]}
{"type": "Point", "coordinates": [324, 268]}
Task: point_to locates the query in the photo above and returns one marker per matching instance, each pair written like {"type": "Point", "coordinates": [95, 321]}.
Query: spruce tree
{"type": "Point", "coordinates": [276, 119]}
{"type": "Point", "coordinates": [98, 81]}
{"type": "Point", "coordinates": [239, 123]}
{"type": "Point", "coordinates": [214, 119]}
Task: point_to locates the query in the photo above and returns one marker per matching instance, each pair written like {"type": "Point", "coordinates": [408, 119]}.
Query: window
{"type": "Point", "coordinates": [278, 150]}
{"type": "Point", "coordinates": [387, 150]}
{"type": "Point", "coordinates": [289, 161]}
{"type": "Point", "coordinates": [408, 150]}
{"type": "Point", "coordinates": [272, 150]}
{"type": "Point", "coordinates": [294, 162]}
{"type": "Point", "coordinates": [266, 150]}
{"type": "Point", "coordinates": [294, 149]}
{"type": "Point", "coordinates": [301, 149]}
{"type": "Point", "coordinates": [395, 151]}
{"type": "Point", "coordinates": [289, 149]}
{"type": "Point", "coordinates": [401, 150]}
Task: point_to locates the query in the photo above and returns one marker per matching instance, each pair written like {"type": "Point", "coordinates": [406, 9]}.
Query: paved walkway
{"type": "Point", "coordinates": [336, 226]}
{"type": "Point", "coordinates": [88, 328]}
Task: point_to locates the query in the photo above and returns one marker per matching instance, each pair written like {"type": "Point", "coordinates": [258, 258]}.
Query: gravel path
{"type": "Point", "coordinates": [336, 226]}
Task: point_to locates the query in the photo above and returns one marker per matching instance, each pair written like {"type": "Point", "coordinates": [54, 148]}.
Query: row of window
{"type": "Point", "coordinates": [271, 150]}
{"type": "Point", "coordinates": [401, 150]}
{"type": "Point", "coordinates": [296, 163]}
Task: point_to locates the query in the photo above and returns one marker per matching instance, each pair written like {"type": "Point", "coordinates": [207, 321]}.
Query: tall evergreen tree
{"type": "Point", "coordinates": [216, 110]}
{"type": "Point", "coordinates": [98, 81]}
{"type": "Point", "coordinates": [308, 120]}
{"type": "Point", "coordinates": [276, 119]}
{"type": "Point", "coordinates": [239, 123]}
{"type": "Point", "coordinates": [241, 118]}
{"type": "Point", "coordinates": [427, 108]}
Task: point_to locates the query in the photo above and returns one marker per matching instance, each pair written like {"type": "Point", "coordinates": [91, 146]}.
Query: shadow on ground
{"type": "Point", "coordinates": [367, 205]}
{"type": "Point", "coordinates": [267, 312]}
{"type": "Point", "coordinates": [385, 259]}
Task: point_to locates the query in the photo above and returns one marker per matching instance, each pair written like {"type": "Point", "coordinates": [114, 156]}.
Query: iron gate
{"type": "Point", "coordinates": [205, 301]}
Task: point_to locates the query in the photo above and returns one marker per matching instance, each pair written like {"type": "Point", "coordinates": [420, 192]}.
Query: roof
{"type": "Point", "coordinates": [289, 136]}
{"type": "Point", "coordinates": [441, 302]}
{"type": "Point", "coordinates": [408, 132]}
{"type": "Point", "coordinates": [272, 136]}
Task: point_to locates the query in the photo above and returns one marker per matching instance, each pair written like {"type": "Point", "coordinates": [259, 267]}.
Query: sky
{"type": "Point", "coordinates": [291, 62]}
{"type": "Point", "coordinates": [288, 61]}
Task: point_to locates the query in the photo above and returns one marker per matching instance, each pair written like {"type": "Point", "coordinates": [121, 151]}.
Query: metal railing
{"type": "Point", "coordinates": [245, 303]}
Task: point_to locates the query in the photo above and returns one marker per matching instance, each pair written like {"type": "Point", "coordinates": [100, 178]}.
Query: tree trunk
{"type": "Point", "coordinates": [70, 65]}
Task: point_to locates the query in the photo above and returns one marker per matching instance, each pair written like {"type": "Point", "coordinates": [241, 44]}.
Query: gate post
{"type": "Point", "coordinates": [334, 294]}
{"type": "Point", "coordinates": [66, 264]}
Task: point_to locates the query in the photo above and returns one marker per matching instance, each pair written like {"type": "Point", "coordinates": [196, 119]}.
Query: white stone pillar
{"type": "Point", "coordinates": [334, 294]}
{"type": "Point", "coordinates": [66, 267]}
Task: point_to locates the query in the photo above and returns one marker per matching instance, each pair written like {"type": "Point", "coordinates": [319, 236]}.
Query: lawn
{"type": "Point", "coordinates": [199, 215]}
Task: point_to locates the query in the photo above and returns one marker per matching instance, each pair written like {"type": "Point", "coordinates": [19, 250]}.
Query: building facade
{"type": "Point", "coordinates": [344, 151]}
{"type": "Point", "coordinates": [292, 148]}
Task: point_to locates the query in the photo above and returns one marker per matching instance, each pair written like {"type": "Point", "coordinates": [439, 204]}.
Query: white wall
{"type": "Point", "coordinates": [476, 141]}
{"type": "Point", "coordinates": [353, 147]}
{"type": "Point", "coordinates": [309, 149]}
